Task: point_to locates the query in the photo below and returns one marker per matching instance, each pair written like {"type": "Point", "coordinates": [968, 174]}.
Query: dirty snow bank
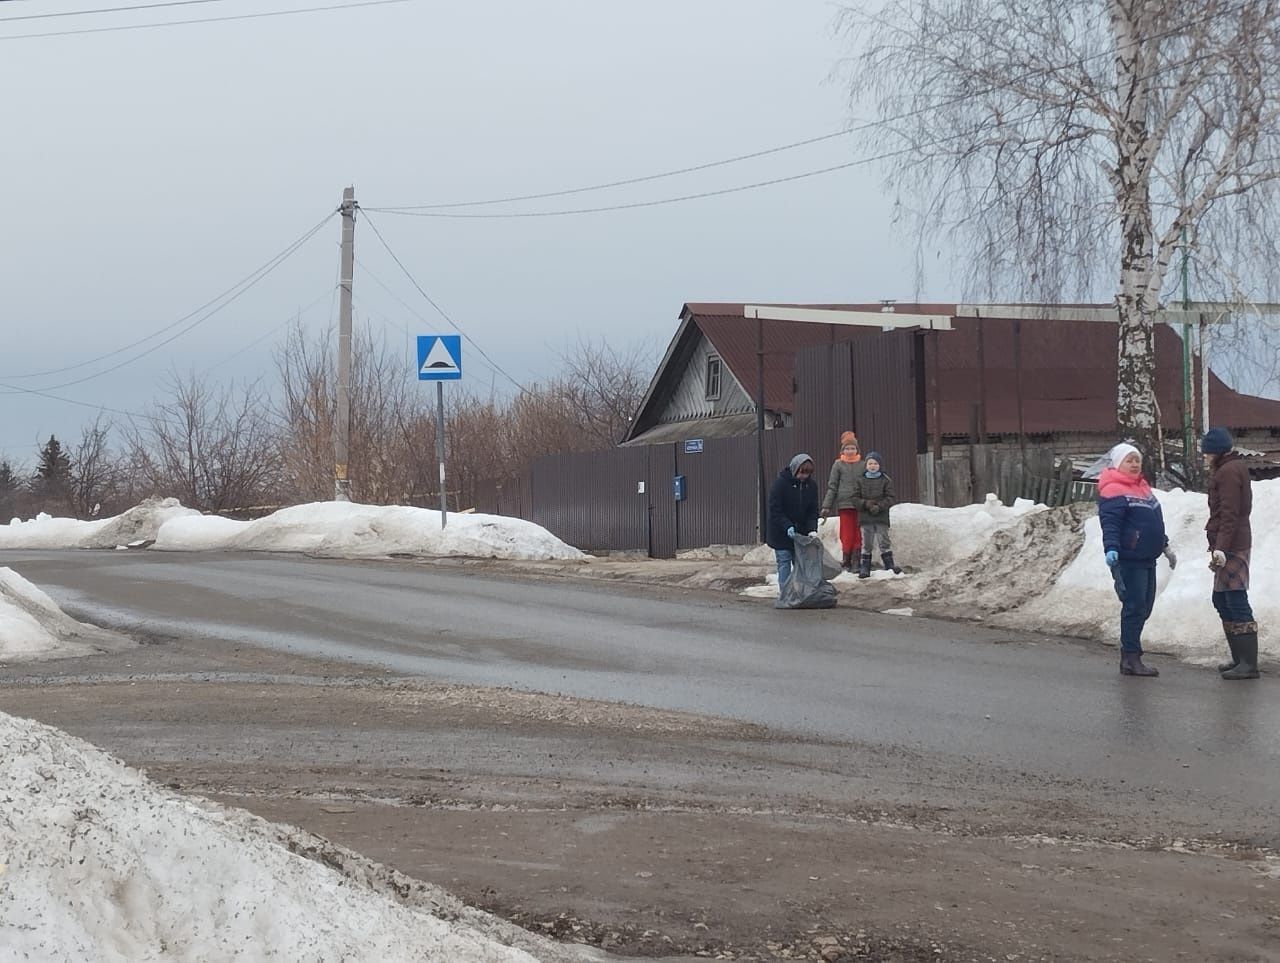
{"type": "Point", "coordinates": [138, 523]}
{"type": "Point", "coordinates": [348, 530]}
{"type": "Point", "coordinates": [33, 627]}
{"type": "Point", "coordinates": [98, 863]}
{"type": "Point", "coordinates": [1039, 569]}
{"type": "Point", "coordinates": [333, 529]}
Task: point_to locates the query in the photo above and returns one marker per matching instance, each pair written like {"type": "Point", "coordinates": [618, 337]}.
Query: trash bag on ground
{"type": "Point", "coordinates": [808, 587]}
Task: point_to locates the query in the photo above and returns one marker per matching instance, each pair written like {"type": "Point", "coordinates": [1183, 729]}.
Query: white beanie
{"type": "Point", "coordinates": [1121, 451]}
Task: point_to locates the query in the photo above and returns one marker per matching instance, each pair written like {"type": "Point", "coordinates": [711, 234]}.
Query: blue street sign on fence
{"type": "Point", "coordinates": [439, 357]}
{"type": "Point", "coordinates": [692, 446]}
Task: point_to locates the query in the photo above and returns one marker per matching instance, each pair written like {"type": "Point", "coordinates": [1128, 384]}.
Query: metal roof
{"type": "Point", "coordinates": [1068, 367]}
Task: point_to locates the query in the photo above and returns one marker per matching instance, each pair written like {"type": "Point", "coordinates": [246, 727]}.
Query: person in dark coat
{"type": "Point", "coordinates": [840, 484]}
{"type": "Point", "coordinates": [873, 495]}
{"type": "Point", "coordinates": [793, 507]}
{"type": "Point", "coordinates": [1133, 538]}
{"type": "Point", "coordinates": [1230, 543]}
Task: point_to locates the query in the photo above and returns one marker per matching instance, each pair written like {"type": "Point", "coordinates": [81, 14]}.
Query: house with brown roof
{"type": "Point", "coordinates": [992, 380]}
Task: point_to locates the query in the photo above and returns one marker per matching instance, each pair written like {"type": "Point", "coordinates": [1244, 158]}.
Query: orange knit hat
{"type": "Point", "coordinates": [848, 438]}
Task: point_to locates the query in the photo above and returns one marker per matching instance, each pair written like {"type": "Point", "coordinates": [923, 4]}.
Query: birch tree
{"type": "Point", "coordinates": [1068, 148]}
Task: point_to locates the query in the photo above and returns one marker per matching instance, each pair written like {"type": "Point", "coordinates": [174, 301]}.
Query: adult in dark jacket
{"type": "Point", "coordinates": [1230, 543]}
{"type": "Point", "coordinates": [793, 507]}
{"type": "Point", "coordinates": [873, 495]}
{"type": "Point", "coordinates": [1133, 537]}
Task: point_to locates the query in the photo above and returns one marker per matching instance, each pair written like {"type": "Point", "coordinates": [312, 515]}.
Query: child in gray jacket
{"type": "Point", "coordinates": [874, 496]}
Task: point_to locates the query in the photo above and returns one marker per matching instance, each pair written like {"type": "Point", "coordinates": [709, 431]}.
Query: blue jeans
{"type": "Point", "coordinates": [1139, 580]}
{"type": "Point", "coordinates": [784, 557]}
{"type": "Point", "coordinates": [1233, 606]}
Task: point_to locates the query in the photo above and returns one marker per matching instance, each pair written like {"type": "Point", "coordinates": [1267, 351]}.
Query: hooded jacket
{"type": "Point", "coordinates": [793, 503]}
{"type": "Point", "coordinates": [878, 491]}
{"type": "Point", "coordinates": [1132, 522]}
{"type": "Point", "coordinates": [1230, 502]}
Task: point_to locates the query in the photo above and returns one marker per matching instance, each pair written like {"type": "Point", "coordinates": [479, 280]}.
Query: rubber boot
{"type": "Point", "coordinates": [1131, 664]}
{"type": "Point", "coordinates": [1227, 628]}
{"type": "Point", "coordinates": [864, 566]}
{"type": "Point", "coordinates": [887, 558]}
{"type": "Point", "coordinates": [1246, 649]}
{"type": "Point", "coordinates": [846, 562]}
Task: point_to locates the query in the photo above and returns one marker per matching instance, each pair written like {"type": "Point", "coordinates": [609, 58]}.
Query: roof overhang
{"type": "Point", "coordinates": [1194, 313]}
{"type": "Point", "coordinates": [886, 320]}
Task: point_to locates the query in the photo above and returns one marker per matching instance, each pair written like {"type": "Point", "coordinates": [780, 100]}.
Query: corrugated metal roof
{"type": "Point", "coordinates": [723, 426]}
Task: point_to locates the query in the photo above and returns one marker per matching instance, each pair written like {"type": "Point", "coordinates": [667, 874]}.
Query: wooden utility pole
{"type": "Point", "coordinates": [342, 421]}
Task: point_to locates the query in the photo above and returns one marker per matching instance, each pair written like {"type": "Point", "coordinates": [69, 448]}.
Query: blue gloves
{"type": "Point", "coordinates": [1112, 558]}
{"type": "Point", "coordinates": [791, 532]}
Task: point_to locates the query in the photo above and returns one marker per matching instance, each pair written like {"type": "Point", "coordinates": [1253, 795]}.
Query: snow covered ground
{"type": "Point", "coordinates": [1028, 567]}
{"type": "Point", "coordinates": [33, 627]}
{"type": "Point", "coordinates": [98, 863]}
{"type": "Point", "coordinates": [333, 529]}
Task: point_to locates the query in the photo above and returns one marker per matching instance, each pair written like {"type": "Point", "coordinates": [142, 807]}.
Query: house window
{"type": "Point", "coordinates": [713, 379]}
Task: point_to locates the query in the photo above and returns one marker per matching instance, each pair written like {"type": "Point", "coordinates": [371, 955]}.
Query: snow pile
{"type": "Point", "coordinates": [1029, 567]}
{"type": "Point", "coordinates": [97, 863]}
{"type": "Point", "coordinates": [347, 530]}
{"type": "Point", "coordinates": [139, 523]}
{"type": "Point", "coordinates": [334, 529]}
{"type": "Point", "coordinates": [33, 627]}
{"type": "Point", "coordinates": [1082, 599]}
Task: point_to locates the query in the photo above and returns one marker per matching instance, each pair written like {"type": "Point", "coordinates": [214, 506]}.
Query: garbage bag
{"type": "Point", "coordinates": [808, 587]}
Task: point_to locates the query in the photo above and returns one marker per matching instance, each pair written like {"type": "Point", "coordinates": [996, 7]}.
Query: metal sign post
{"type": "Point", "coordinates": [440, 360]}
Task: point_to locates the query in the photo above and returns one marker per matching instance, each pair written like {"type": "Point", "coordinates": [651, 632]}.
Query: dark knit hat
{"type": "Point", "coordinates": [875, 456]}
{"type": "Point", "coordinates": [1216, 441]}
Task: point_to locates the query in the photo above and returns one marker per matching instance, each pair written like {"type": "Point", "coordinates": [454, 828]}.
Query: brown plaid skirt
{"type": "Point", "coordinates": [1234, 576]}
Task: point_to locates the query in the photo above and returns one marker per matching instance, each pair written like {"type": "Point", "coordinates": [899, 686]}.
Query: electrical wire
{"type": "Point", "coordinates": [439, 310]}
{"type": "Point", "coordinates": [89, 13]}
{"type": "Point", "coordinates": [260, 275]}
{"type": "Point", "coordinates": [182, 23]}
{"type": "Point", "coordinates": [295, 317]}
{"type": "Point", "coordinates": [859, 128]}
{"type": "Point", "coordinates": [637, 180]}
{"type": "Point", "coordinates": [267, 266]}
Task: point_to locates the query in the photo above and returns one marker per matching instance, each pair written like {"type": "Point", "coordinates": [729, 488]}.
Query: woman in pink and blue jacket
{"type": "Point", "coordinates": [1133, 538]}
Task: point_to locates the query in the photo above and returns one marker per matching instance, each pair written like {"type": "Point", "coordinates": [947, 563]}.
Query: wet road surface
{"type": "Point", "coordinates": [993, 699]}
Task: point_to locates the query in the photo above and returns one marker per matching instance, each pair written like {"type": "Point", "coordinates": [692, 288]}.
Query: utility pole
{"type": "Point", "coordinates": [342, 421]}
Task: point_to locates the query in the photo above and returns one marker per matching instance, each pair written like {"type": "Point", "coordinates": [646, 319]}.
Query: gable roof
{"type": "Point", "coordinates": [1068, 367]}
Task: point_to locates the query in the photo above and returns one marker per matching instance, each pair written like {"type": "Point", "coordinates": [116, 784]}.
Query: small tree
{"type": "Point", "coordinates": [52, 479]}
{"type": "Point", "coordinates": [11, 486]}
{"type": "Point", "coordinates": [1070, 147]}
{"type": "Point", "coordinates": [94, 477]}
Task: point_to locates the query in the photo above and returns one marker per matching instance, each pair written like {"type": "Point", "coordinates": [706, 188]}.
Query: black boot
{"type": "Point", "coordinates": [1246, 650]}
{"type": "Point", "coordinates": [846, 562]}
{"type": "Point", "coordinates": [864, 566]}
{"type": "Point", "coordinates": [1131, 664]}
{"type": "Point", "coordinates": [1227, 628]}
{"type": "Point", "coordinates": [887, 558]}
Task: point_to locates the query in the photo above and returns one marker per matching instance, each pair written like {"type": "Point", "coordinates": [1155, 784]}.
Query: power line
{"type": "Point", "coordinates": [268, 266]}
{"type": "Point", "coordinates": [296, 316]}
{"type": "Point", "coordinates": [403, 212]}
{"type": "Point", "coordinates": [418, 209]}
{"type": "Point", "coordinates": [439, 310]}
{"type": "Point", "coordinates": [261, 275]}
{"type": "Point", "coordinates": [636, 180]}
{"type": "Point", "coordinates": [180, 23]}
{"type": "Point", "coordinates": [87, 13]}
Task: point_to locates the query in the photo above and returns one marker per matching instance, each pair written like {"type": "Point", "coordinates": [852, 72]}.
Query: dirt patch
{"type": "Point", "coordinates": [667, 835]}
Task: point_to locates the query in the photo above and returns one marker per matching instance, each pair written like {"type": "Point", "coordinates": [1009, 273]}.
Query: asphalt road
{"type": "Point", "coordinates": [1019, 704]}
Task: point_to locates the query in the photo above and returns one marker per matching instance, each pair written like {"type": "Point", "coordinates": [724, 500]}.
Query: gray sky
{"type": "Point", "coordinates": [149, 170]}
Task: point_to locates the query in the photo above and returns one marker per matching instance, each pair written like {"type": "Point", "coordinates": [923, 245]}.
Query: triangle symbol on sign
{"type": "Point", "coordinates": [439, 360]}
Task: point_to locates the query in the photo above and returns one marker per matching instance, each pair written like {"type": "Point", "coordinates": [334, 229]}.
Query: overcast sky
{"type": "Point", "coordinates": [148, 170]}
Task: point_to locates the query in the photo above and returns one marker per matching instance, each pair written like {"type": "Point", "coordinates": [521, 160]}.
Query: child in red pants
{"type": "Point", "coordinates": [841, 485]}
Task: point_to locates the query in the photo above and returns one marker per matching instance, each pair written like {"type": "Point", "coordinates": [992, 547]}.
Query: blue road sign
{"type": "Point", "coordinates": [439, 357]}
{"type": "Point", "coordinates": [692, 446]}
